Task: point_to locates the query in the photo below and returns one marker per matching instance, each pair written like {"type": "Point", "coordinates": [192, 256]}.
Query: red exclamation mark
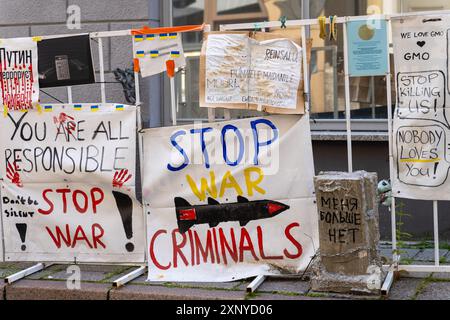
{"type": "Point", "coordinates": [22, 228]}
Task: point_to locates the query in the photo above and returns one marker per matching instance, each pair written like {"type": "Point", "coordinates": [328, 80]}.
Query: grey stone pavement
{"type": "Point", "coordinates": [96, 284]}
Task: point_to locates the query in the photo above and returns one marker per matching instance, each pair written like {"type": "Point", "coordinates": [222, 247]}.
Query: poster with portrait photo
{"type": "Point", "coordinates": [65, 61]}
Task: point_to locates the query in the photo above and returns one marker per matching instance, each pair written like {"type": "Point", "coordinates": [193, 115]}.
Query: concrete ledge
{"type": "Point", "coordinates": [55, 290]}
{"type": "Point", "coordinates": [142, 292]}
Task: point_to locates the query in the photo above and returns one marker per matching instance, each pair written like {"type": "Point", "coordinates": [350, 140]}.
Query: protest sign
{"type": "Point", "coordinates": [69, 182]}
{"type": "Point", "coordinates": [258, 71]}
{"type": "Point", "coordinates": [19, 84]}
{"type": "Point", "coordinates": [229, 200]}
{"type": "Point", "coordinates": [367, 48]}
{"type": "Point", "coordinates": [65, 61]}
{"type": "Point", "coordinates": [153, 50]}
{"type": "Point", "coordinates": [421, 127]}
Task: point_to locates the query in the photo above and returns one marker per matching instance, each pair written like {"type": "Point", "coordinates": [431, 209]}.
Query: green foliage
{"type": "Point", "coordinates": [403, 237]}
{"type": "Point", "coordinates": [406, 261]}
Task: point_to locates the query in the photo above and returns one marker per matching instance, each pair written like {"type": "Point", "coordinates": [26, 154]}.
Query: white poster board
{"type": "Point", "coordinates": [153, 50]}
{"type": "Point", "coordinates": [68, 190]}
{"type": "Point", "coordinates": [229, 200]}
{"type": "Point", "coordinates": [421, 127]}
{"type": "Point", "coordinates": [19, 82]}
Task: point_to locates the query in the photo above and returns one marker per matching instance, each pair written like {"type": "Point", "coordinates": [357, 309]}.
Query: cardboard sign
{"type": "Point", "coordinates": [68, 184]}
{"type": "Point", "coordinates": [421, 127]}
{"type": "Point", "coordinates": [367, 48]}
{"type": "Point", "coordinates": [19, 86]}
{"type": "Point", "coordinates": [65, 61]}
{"type": "Point", "coordinates": [153, 50]}
{"type": "Point", "coordinates": [229, 200]}
{"type": "Point", "coordinates": [258, 71]}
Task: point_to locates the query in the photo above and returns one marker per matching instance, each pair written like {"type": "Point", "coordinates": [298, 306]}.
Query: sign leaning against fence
{"type": "Point", "coordinates": [2, 256]}
{"type": "Point", "coordinates": [229, 200]}
{"type": "Point", "coordinates": [421, 121]}
{"type": "Point", "coordinates": [153, 50]}
{"type": "Point", "coordinates": [68, 189]}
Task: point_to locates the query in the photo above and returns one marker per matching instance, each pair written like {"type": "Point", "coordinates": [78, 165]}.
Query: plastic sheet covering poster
{"type": "Point", "coordinates": [421, 121]}
{"type": "Point", "coordinates": [261, 72]}
{"type": "Point", "coordinates": [68, 184]}
{"type": "Point", "coordinates": [19, 85]}
{"type": "Point", "coordinates": [229, 200]}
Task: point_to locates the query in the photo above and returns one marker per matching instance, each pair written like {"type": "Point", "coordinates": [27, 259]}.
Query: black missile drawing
{"type": "Point", "coordinates": [214, 212]}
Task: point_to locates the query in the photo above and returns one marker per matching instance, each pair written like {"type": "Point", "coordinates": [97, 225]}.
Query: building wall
{"type": "Point", "coordinates": [24, 18]}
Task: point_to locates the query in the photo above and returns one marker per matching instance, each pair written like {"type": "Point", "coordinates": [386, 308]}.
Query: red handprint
{"type": "Point", "coordinates": [120, 177]}
{"type": "Point", "coordinates": [12, 173]}
{"type": "Point", "coordinates": [67, 121]}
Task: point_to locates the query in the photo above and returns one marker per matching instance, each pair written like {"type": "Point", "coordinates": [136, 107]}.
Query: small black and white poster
{"type": "Point", "coordinates": [65, 61]}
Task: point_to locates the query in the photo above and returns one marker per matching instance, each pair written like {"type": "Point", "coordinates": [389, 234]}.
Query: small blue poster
{"type": "Point", "coordinates": [367, 48]}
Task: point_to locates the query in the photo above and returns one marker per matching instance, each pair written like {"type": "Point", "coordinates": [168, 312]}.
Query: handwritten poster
{"type": "Point", "coordinates": [65, 61]}
{"type": "Point", "coordinates": [153, 50]}
{"type": "Point", "coordinates": [244, 72]}
{"type": "Point", "coordinates": [19, 83]}
{"type": "Point", "coordinates": [367, 48]}
{"type": "Point", "coordinates": [229, 200]}
{"type": "Point", "coordinates": [421, 127]}
{"type": "Point", "coordinates": [68, 189]}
